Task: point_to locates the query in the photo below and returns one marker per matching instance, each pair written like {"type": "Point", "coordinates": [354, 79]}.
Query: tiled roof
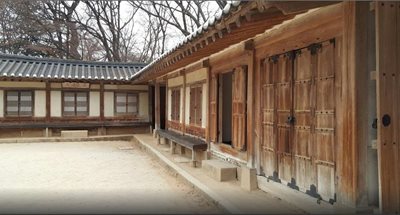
{"type": "Point", "coordinates": [17, 66]}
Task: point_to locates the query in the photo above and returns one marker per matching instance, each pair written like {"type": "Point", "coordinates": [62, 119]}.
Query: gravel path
{"type": "Point", "coordinates": [90, 177]}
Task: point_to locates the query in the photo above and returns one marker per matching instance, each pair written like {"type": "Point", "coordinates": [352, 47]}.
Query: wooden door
{"type": "Point", "coordinates": [213, 108]}
{"type": "Point", "coordinates": [268, 146]}
{"type": "Point", "coordinates": [388, 104]}
{"type": "Point", "coordinates": [239, 79]}
{"type": "Point", "coordinates": [298, 106]}
{"type": "Point", "coordinates": [324, 119]}
{"type": "Point", "coordinates": [284, 107]}
{"type": "Point", "coordinates": [302, 138]}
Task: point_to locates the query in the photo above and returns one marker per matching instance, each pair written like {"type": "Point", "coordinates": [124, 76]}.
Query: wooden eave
{"type": "Point", "coordinates": [250, 19]}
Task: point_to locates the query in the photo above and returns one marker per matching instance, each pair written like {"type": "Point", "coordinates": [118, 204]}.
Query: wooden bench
{"type": "Point", "coordinates": [197, 146]}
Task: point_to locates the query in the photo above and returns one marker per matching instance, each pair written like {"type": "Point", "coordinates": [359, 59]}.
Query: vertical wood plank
{"type": "Point", "coordinates": [387, 36]}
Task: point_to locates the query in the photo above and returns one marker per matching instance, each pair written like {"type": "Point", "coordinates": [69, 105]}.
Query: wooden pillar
{"type": "Point", "coordinates": [150, 102]}
{"type": "Point", "coordinates": [48, 101]}
{"type": "Point", "coordinates": [250, 110]}
{"type": "Point", "coordinates": [183, 105]}
{"type": "Point", "coordinates": [157, 106]}
{"type": "Point", "coordinates": [101, 101]}
{"type": "Point", "coordinates": [352, 103]}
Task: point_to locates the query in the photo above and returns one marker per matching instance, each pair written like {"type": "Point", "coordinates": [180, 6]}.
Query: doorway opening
{"type": "Point", "coordinates": [163, 97]}
{"type": "Point", "coordinates": [226, 108]}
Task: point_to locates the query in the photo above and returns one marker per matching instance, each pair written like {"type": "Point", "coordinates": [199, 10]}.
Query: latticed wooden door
{"type": "Point", "coordinates": [239, 108]}
{"type": "Point", "coordinates": [213, 108]}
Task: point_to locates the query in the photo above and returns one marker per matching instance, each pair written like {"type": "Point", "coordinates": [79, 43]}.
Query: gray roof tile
{"type": "Point", "coordinates": [51, 68]}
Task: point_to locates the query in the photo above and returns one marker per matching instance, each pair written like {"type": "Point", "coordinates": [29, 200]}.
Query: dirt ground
{"type": "Point", "coordinates": [91, 177]}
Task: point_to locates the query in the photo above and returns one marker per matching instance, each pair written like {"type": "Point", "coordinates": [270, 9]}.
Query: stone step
{"type": "Point", "coordinates": [220, 170]}
{"type": "Point", "coordinates": [74, 133]}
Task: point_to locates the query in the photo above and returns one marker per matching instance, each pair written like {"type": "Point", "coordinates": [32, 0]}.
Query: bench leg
{"type": "Point", "coordinates": [158, 140]}
{"type": "Point", "coordinates": [193, 162]}
{"type": "Point", "coordinates": [197, 157]}
{"type": "Point", "coordinates": [172, 147]}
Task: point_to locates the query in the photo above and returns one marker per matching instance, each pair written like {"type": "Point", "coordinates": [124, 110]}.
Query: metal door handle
{"type": "Point", "coordinates": [291, 120]}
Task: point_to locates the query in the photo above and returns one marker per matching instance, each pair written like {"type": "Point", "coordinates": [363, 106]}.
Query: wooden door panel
{"type": "Point", "coordinates": [284, 109]}
{"type": "Point", "coordinates": [213, 95]}
{"type": "Point", "coordinates": [303, 65]}
{"type": "Point", "coordinates": [269, 137]}
{"type": "Point", "coordinates": [324, 118]}
{"type": "Point", "coordinates": [239, 108]}
{"type": "Point", "coordinates": [303, 168]}
{"type": "Point", "coordinates": [325, 94]}
{"type": "Point", "coordinates": [326, 181]}
{"type": "Point", "coordinates": [302, 140]}
{"type": "Point", "coordinates": [268, 93]}
{"type": "Point", "coordinates": [285, 167]}
{"type": "Point", "coordinates": [269, 163]}
{"type": "Point", "coordinates": [324, 142]}
{"type": "Point", "coordinates": [388, 97]}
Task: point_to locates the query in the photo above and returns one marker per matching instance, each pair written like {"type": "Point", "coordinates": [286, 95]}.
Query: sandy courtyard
{"type": "Point", "coordinates": [90, 177]}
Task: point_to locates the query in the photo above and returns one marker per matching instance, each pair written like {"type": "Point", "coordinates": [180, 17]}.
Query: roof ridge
{"type": "Point", "coordinates": [69, 61]}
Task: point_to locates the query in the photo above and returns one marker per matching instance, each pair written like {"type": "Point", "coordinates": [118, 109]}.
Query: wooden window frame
{"type": "Point", "coordinates": [197, 121]}
{"type": "Point", "coordinates": [19, 100]}
{"type": "Point", "coordinates": [136, 94]}
{"type": "Point", "coordinates": [173, 108]}
{"type": "Point", "coordinates": [75, 92]}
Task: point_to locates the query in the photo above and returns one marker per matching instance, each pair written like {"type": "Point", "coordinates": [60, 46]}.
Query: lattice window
{"type": "Point", "coordinates": [75, 104]}
{"type": "Point", "coordinates": [126, 104]}
{"type": "Point", "coordinates": [19, 103]}
{"type": "Point", "coordinates": [196, 96]}
{"type": "Point", "coordinates": [175, 104]}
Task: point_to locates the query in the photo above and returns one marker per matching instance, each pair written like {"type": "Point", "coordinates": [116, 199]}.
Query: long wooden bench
{"type": "Point", "coordinates": [197, 146]}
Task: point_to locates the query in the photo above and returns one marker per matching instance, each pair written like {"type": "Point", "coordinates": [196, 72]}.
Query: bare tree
{"type": "Point", "coordinates": [99, 30]}
{"type": "Point", "coordinates": [185, 16]}
{"type": "Point", "coordinates": [104, 22]}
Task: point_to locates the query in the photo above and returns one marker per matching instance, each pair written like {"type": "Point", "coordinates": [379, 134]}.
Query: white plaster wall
{"type": "Point", "coordinates": [108, 104]}
{"type": "Point", "coordinates": [125, 87]}
{"type": "Point", "coordinates": [40, 103]}
{"type": "Point", "coordinates": [187, 106]}
{"type": "Point", "coordinates": [22, 84]}
{"type": "Point", "coordinates": [94, 105]}
{"type": "Point", "coordinates": [55, 103]}
{"type": "Point", "coordinates": [204, 106]}
{"type": "Point", "coordinates": [144, 105]}
{"type": "Point", "coordinates": [1, 103]}
{"type": "Point", "coordinates": [173, 82]}
{"type": "Point", "coordinates": [198, 75]}
{"type": "Point", "coordinates": [169, 104]}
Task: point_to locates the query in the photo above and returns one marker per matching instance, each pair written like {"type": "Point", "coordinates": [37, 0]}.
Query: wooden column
{"type": "Point", "coordinates": [101, 101]}
{"type": "Point", "coordinates": [150, 102]}
{"type": "Point", "coordinates": [352, 103]}
{"type": "Point", "coordinates": [157, 106]}
{"type": "Point", "coordinates": [48, 101]}
{"type": "Point", "coordinates": [183, 105]}
{"type": "Point", "coordinates": [250, 109]}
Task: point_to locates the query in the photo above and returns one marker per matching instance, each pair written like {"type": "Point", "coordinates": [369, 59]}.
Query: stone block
{"type": "Point", "coordinates": [248, 178]}
{"type": "Point", "coordinates": [74, 133]}
{"type": "Point", "coordinates": [219, 170]}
